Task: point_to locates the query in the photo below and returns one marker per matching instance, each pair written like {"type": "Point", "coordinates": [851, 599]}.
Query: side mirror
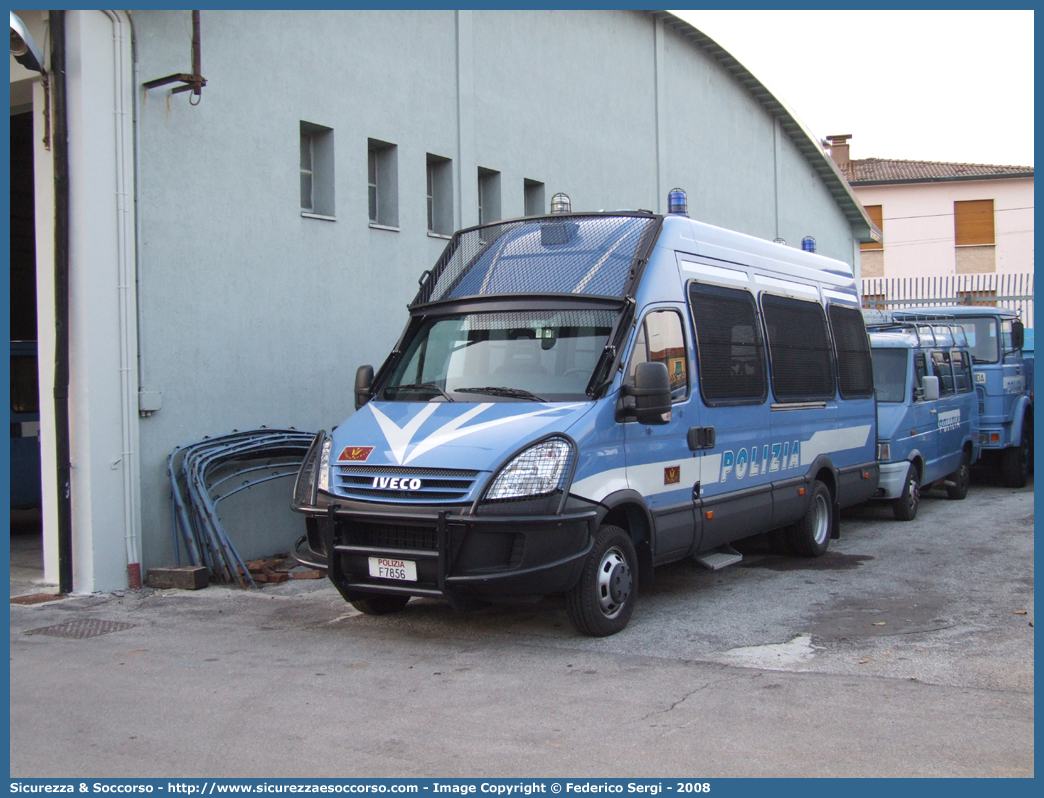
{"type": "Point", "coordinates": [363, 383]}
{"type": "Point", "coordinates": [652, 393]}
{"type": "Point", "coordinates": [1018, 334]}
{"type": "Point", "coordinates": [930, 386]}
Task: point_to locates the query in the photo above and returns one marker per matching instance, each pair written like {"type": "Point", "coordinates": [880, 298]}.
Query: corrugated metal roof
{"type": "Point", "coordinates": [868, 171]}
{"type": "Point", "coordinates": [863, 227]}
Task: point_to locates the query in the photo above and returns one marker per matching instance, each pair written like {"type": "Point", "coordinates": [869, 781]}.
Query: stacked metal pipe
{"type": "Point", "coordinates": [204, 474]}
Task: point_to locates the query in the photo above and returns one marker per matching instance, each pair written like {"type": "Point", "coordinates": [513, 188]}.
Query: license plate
{"type": "Point", "coordinates": [391, 568]}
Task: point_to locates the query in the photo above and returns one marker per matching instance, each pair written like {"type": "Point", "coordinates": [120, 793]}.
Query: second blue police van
{"type": "Point", "coordinates": [927, 408]}
{"type": "Point", "coordinates": [579, 398]}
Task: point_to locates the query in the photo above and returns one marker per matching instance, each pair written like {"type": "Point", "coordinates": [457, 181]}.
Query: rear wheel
{"type": "Point", "coordinates": [960, 479]}
{"type": "Point", "coordinates": [810, 536]}
{"type": "Point", "coordinates": [380, 604]}
{"type": "Point", "coordinates": [905, 507]}
{"type": "Point", "coordinates": [1017, 461]}
{"type": "Point", "coordinates": [601, 602]}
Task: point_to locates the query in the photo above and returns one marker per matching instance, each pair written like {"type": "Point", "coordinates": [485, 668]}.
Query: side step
{"type": "Point", "coordinates": [716, 559]}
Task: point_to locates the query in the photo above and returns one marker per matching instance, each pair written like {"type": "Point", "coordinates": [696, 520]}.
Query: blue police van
{"type": "Point", "coordinates": [579, 398]}
{"type": "Point", "coordinates": [1003, 372]}
{"type": "Point", "coordinates": [927, 408]}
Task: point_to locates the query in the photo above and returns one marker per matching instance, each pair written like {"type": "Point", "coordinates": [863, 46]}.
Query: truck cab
{"type": "Point", "coordinates": [1003, 374]}
{"type": "Point", "coordinates": [927, 409]}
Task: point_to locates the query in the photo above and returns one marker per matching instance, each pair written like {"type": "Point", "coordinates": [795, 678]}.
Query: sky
{"type": "Point", "coordinates": [954, 86]}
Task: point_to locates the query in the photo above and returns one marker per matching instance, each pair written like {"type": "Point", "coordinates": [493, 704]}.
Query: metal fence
{"type": "Point", "coordinates": [1012, 291]}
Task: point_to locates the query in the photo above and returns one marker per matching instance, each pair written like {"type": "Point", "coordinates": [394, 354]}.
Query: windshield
{"type": "Point", "coordinates": [890, 374]}
{"type": "Point", "coordinates": [502, 357]}
{"type": "Point", "coordinates": [982, 339]}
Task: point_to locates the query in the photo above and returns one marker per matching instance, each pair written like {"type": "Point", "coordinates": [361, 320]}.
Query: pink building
{"type": "Point", "coordinates": [969, 226]}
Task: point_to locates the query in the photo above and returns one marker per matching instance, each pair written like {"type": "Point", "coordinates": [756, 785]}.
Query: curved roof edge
{"type": "Point", "coordinates": [863, 228]}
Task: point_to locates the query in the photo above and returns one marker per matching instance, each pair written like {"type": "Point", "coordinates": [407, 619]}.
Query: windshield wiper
{"type": "Point", "coordinates": [514, 393]}
{"type": "Point", "coordinates": [421, 386]}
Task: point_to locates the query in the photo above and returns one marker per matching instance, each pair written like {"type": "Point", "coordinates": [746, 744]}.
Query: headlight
{"type": "Point", "coordinates": [884, 451]}
{"type": "Point", "coordinates": [324, 466]}
{"type": "Point", "coordinates": [539, 470]}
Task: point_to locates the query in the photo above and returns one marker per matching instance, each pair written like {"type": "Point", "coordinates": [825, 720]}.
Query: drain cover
{"type": "Point", "coordinates": [82, 629]}
{"type": "Point", "coordinates": [37, 598]}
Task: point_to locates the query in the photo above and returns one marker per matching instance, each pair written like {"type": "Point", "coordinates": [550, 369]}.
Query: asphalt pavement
{"type": "Point", "coordinates": [907, 650]}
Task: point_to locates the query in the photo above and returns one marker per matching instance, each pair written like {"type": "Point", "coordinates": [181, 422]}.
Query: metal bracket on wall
{"type": "Point", "coordinates": [194, 82]}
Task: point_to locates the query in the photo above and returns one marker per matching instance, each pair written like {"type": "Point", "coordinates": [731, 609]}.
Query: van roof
{"type": "Point", "coordinates": [600, 255]}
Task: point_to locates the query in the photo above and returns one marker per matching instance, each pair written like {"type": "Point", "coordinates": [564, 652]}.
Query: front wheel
{"type": "Point", "coordinates": [810, 536]}
{"type": "Point", "coordinates": [601, 602]}
{"type": "Point", "coordinates": [1017, 462]}
{"type": "Point", "coordinates": [905, 507]}
{"type": "Point", "coordinates": [960, 479]}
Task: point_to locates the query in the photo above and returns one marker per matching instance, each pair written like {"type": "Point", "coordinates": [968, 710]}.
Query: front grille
{"type": "Point", "coordinates": [389, 536]}
{"type": "Point", "coordinates": [399, 483]}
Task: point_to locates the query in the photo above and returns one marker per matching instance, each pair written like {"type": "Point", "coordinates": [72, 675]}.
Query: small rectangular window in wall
{"type": "Point", "coordinates": [973, 235]}
{"type": "Point", "coordinates": [534, 198]}
{"type": "Point", "coordinates": [382, 183]}
{"type": "Point", "coordinates": [874, 212]}
{"type": "Point", "coordinates": [440, 195]}
{"type": "Point", "coordinates": [488, 195]}
{"type": "Point", "coordinates": [317, 171]}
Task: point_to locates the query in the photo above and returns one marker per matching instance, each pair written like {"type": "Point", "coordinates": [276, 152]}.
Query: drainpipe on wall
{"type": "Point", "coordinates": [123, 99]}
{"type": "Point", "coordinates": [60, 144]}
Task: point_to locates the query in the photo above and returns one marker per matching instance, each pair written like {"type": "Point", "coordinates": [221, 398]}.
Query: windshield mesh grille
{"type": "Point", "coordinates": [584, 255]}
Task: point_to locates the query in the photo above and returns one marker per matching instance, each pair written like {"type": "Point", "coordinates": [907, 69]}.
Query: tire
{"type": "Point", "coordinates": [380, 604]}
{"type": "Point", "coordinates": [601, 602]}
{"type": "Point", "coordinates": [905, 507]}
{"type": "Point", "coordinates": [1017, 461]}
{"type": "Point", "coordinates": [810, 536]}
{"type": "Point", "coordinates": [960, 479]}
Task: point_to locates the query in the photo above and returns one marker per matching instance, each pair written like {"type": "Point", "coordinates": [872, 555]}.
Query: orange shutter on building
{"type": "Point", "coordinates": [874, 212]}
{"type": "Point", "coordinates": [973, 222]}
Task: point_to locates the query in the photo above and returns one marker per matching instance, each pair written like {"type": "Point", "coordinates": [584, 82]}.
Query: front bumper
{"type": "Point", "coordinates": [892, 480]}
{"type": "Point", "coordinates": [457, 555]}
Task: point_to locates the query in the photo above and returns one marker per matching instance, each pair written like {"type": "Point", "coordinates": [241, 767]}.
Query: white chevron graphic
{"type": "Point", "coordinates": [399, 438]}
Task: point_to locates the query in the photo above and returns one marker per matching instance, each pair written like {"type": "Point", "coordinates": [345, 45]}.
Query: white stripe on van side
{"type": "Point", "coordinates": [647, 479]}
{"type": "Point", "coordinates": [833, 440]}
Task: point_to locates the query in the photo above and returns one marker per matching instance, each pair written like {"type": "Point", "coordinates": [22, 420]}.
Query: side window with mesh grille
{"type": "Point", "coordinates": [800, 354]}
{"type": "Point", "coordinates": [730, 351]}
{"type": "Point", "coordinates": [855, 369]}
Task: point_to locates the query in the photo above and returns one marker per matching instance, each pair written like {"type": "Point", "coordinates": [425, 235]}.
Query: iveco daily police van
{"type": "Point", "coordinates": [927, 408]}
{"type": "Point", "coordinates": [578, 398]}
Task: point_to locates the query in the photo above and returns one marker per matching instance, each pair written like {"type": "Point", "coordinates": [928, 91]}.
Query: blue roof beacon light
{"type": "Point", "coordinates": [560, 203]}
{"type": "Point", "coordinates": [677, 202]}
{"type": "Point", "coordinates": [808, 244]}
